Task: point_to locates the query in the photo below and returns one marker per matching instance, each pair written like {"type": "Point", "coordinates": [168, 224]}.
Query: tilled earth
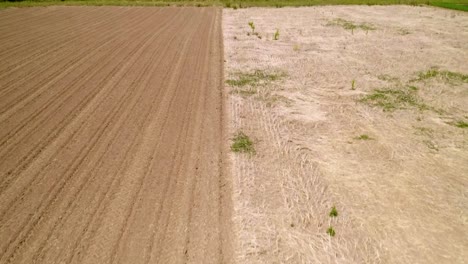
{"type": "Point", "coordinates": [110, 135]}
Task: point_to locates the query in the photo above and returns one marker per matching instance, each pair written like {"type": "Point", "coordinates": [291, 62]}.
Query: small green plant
{"type": "Point", "coordinates": [333, 212]}
{"type": "Point", "coordinates": [461, 124]}
{"type": "Point", "coordinates": [353, 85]}
{"type": "Point", "coordinates": [331, 231]}
{"type": "Point", "coordinates": [252, 26]}
{"type": "Point", "coordinates": [242, 144]}
{"type": "Point", "coordinates": [363, 137]}
{"type": "Point", "coordinates": [276, 36]}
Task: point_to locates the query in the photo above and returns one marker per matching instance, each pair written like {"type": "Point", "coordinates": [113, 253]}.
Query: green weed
{"type": "Point", "coordinates": [333, 212]}
{"type": "Point", "coordinates": [353, 85]}
{"type": "Point", "coordinates": [331, 231]}
{"type": "Point", "coordinates": [242, 144]}
{"type": "Point", "coordinates": [252, 26]}
{"type": "Point", "coordinates": [276, 36]}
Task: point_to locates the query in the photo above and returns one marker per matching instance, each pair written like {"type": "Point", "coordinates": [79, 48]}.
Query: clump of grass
{"type": "Point", "coordinates": [446, 75]}
{"type": "Point", "coordinates": [363, 137]}
{"type": "Point", "coordinates": [333, 212]}
{"type": "Point", "coordinates": [331, 231]}
{"type": "Point", "coordinates": [461, 124]}
{"type": "Point", "coordinates": [258, 77]}
{"type": "Point", "coordinates": [241, 143]}
{"type": "Point", "coordinates": [392, 99]}
{"type": "Point", "coordinates": [349, 25]}
{"type": "Point", "coordinates": [276, 36]}
{"type": "Point", "coordinates": [353, 85]}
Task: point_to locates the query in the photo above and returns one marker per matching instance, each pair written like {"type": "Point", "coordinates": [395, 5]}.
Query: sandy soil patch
{"type": "Point", "coordinates": [111, 135]}
{"type": "Point", "coordinates": [362, 108]}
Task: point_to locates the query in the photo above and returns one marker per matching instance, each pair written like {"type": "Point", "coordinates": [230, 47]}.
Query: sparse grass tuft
{"type": "Point", "coordinates": [331, 231]}
{"type": "Point", "coordinates": [446, 75]}
{"type": "Point", "coordinates": [258, 77]}
{"type": "Point", "coordinates": [353, 85]}
{"type": "Point", "coordinates": [392, 99]}
{"type": "Point", "coordinates": [333, 212]}
{"type": "Point", "coordinates": [349, 25]}
{"type": "Point", "coordinates": [242, 144]}
{"type": "Point", "coordinates": [363, 137]}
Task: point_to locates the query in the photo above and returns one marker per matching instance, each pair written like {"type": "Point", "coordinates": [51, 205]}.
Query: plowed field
{"type": "Point", "coordinates": [110, 135]}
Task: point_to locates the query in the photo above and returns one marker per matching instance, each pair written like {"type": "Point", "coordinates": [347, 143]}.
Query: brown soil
{"type": "Point", "coordinates": [402, 195]}
{"type": "Point", "coordinates": [111, 136]}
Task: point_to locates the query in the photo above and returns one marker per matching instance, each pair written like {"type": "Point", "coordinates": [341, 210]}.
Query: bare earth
{"type": "Point", "coordinates": [401, 191]}
{"type": "Point", "coordinates": [111, 135]}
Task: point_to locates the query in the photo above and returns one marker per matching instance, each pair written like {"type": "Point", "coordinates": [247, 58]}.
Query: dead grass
{"type": "Point", "coordinates": [307, 165]}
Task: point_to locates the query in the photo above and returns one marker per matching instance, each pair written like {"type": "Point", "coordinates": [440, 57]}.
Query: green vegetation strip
{"type": "Point", "coordinates": [451, 4]}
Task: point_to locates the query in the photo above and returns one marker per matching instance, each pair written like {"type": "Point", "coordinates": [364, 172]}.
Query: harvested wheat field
{"type": "Point", "coordinates": [110, 136]}
{"type": "Point", "coordinates": [361, 108]}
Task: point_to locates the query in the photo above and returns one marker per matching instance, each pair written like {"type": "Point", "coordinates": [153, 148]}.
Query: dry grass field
{"type": "Point", "coordinates": [364, 109]}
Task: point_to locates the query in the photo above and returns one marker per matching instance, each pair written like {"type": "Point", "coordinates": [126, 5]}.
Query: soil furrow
{"type": "Point", "coordinates": [104, 149]}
